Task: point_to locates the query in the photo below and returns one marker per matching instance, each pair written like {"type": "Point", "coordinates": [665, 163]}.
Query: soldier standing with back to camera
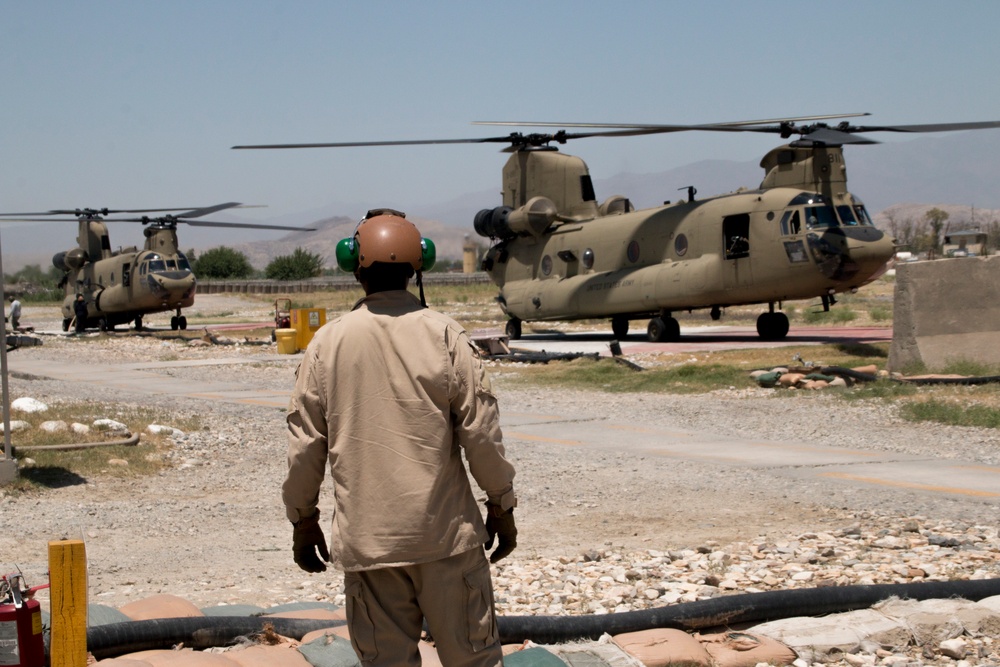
{"type": "Point", "coordinates": [389, 396]}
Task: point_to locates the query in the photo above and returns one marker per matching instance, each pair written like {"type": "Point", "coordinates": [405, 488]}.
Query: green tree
{"type": "Point", "coordinates": [223, 262]}
{"type": "Point", "coordinates": [936, 218]}
{"type": "Point", "coordinates": [300, 265]}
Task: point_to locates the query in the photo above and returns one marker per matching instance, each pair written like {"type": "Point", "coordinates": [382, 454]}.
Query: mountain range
{"type": "Point", "coordinates": [957, 172]}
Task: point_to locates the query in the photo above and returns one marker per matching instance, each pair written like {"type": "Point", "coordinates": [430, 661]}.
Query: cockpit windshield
{"type": "Point", "coordinates": [819, 214]}
{"type": "Point", "coordinates": [182, 262]}
{"type": "Point", "coordinates": [820, 217]}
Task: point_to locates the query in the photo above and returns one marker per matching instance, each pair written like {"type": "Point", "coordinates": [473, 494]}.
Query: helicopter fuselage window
{"type": "Point", "coordinates": [157, 265]}
{"type": "Point", "coordinates": [736, 235]}
{"type": "Point", "coordinates": [820, 217]}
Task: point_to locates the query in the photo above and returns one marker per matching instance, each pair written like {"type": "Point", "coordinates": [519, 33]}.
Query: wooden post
{"type": "Point", "coordinates": [68, 596]}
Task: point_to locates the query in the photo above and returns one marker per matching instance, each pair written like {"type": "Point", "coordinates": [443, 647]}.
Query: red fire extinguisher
{"type": "Point", "coordinates": [21, 640]}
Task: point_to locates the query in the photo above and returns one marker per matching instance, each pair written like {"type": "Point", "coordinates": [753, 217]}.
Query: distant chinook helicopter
{"type": "Point", "coordinates": [558, 254]}
{"type": "Point", "coordinates": [122, 286]}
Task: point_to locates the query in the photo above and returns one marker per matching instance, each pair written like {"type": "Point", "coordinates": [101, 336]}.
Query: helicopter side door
{"type": "Point", "coordinates": [736, 251]}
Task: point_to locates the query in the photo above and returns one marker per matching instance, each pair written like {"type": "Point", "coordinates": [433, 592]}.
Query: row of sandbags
{"type": "Point", "coordinates": [811, 377]}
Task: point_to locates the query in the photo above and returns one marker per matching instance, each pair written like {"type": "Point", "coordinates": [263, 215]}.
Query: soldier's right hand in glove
{"type": "Point", "coordinates": [307, 540]}
{"type": "Point", "coordinates": [500, 524]}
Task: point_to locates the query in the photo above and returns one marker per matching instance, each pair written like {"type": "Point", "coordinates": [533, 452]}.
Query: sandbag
{"type": "Point", "coordinates": [263, 655]}
{"type": "Point", "coordinates": [814, 639]}
{"type": "Point", "coordinates": [160, 606]}
{"type": "Point", "coordinates": [977, 619]}
{"type": "Point", "coordinates": [790, 379]}
{"type": "Point", "coordinates": [536, 656]}
{"type": "Point", "coordinates": [743, 649]}
{"type": "Point", "coordinates": [318, 614]}
{"type": "Point", "coordinates": [184, 658]}
{"type": "Point", "coordinates": [232, 610]}
{"type": "Point", "coordinates": [661, 647]}
{"type": "Point", "coordinates": [122, 662]}
{"type": "Point", "coordinates": [338, 630]}
{"type": "Point", "coordinates": [330, 651]}
{"type": "Point", "coordinates": [100, 614]}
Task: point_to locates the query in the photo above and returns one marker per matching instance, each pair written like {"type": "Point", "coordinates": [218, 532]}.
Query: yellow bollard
{"type": "Point", "coordinates": [68, 601]}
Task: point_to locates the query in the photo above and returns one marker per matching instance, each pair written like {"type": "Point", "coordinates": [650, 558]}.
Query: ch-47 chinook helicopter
{"type": "Point", "coordinates": [558, 254]}
{"type": "Point", "coordinates": [124, 285]}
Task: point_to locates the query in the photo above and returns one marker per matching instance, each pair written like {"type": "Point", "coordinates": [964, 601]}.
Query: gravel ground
{"type": "Point", "coordinates": [600, 531]}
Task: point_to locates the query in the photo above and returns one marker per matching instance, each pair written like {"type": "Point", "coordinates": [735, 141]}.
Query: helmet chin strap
{"type": "Point", "coordinates": [420, 284]}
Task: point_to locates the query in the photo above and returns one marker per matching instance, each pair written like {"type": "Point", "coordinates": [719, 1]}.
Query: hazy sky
{"type": "Point", "coordinates": [135, 104]}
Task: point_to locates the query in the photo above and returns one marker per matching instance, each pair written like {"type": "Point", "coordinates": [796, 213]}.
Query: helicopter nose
{"type": "Point", "coordinates": [171, 285]}
{"type": "Point", "coordinates": [853, 256]}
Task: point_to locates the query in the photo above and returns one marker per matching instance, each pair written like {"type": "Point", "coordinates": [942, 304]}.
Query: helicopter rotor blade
{"type": "Point", "coordinates": [245, 225]}
{"type": "Point", "coordinates": [173, 220]}
{"type": "Point", "coordinates": [198, 212]}
{"type": "Point", "coordinates": [351, 144]}
{"type": "Point", "coordinates": [932, 127]}
{"type": "Point", "coordinates": [738, 123]}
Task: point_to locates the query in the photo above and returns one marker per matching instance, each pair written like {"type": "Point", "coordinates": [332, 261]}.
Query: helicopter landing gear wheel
{"type": "Point", "coordinates": [182, 323]}
{"type": "Point", "coordinates": [716, 313]}
{"type": "Point", "coordinates": [66, 323]}
{"type": "Point", "coordinates": [619, 327]}
{"type": "Point", "coordinates": [138, 323]}
{"type": "Point", "coordinates": [173, 323]}
{"type": "Point", "coordinates": [663, 329]}
{"type": "Point", "coordinates": [513, 328]}
{"type": "Point", "coordinates": [103, 324]}
{"type": "Point", "coordinates": [772, 326]}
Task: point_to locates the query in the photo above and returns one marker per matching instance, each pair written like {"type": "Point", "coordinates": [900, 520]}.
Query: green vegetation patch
{"type": "Point", "coordinates": [951, 413]}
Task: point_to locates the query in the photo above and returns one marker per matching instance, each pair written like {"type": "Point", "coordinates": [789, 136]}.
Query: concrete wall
{"type": "Point", "coordinates": [946, 310]}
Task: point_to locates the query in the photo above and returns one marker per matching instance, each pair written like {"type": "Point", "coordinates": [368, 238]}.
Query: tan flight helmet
{"type": "Point", "coordinates": [385, 235]}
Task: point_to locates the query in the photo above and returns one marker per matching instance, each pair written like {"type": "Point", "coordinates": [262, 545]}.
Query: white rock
{"type": "Point", "coordinates": [26, 404]}
{"type": "Point", "coordinates": [54, 426]}
{"type": "Point", "coordinates": [17, 425]}
{"type": "Point", "coordinates": [109, 425]}
{"type": "Point", "coordinates": [79, 428]}
{"type": "Point", "coordinates": [953, 648]}
{"type": "Point", "coordinates": [157, 429]}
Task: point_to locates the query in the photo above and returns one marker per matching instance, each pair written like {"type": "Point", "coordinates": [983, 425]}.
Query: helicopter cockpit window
{"type": "Point", "coordinates": [820, 217]}
{"type": "Point", "coordinates": [846, 214]}
{"type": "Point", "coordinates": [171, 265]}
{"type": "Point", "coordinates": [791, 223]}
{"type": "Point", "coordinates": [182, 262]}
{"type": "Point", "coordinates": [863, 216]}
{"type": "Point", "coordinates": [157, 265]}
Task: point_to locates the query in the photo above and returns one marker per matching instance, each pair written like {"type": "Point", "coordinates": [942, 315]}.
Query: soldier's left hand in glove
{"type": "Point", "coordinates": [307, 540]}
{"type": "Point", "coordinates": [500, 524]}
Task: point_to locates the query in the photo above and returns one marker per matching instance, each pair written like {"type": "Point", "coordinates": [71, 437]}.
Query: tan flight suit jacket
{"type": "Point", "coordinates": [389, 395]}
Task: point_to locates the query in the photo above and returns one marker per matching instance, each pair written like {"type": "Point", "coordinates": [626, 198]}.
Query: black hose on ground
{"type": "Point", "coordinates": [115, 639]}
{"type": "Point", "coordinates": [198, 632]}
{"type": "Point", "coordinates": [730, 610]}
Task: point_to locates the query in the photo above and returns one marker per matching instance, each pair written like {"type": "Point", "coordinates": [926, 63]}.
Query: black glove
{"type": "Point", "coordinates": [500, 523]}
{"type": "Point", "coordinates": [307, 539]}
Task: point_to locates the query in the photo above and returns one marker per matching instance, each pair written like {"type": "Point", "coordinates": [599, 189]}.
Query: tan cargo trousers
{"type": "Point", "coordinates": [386, 609]}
